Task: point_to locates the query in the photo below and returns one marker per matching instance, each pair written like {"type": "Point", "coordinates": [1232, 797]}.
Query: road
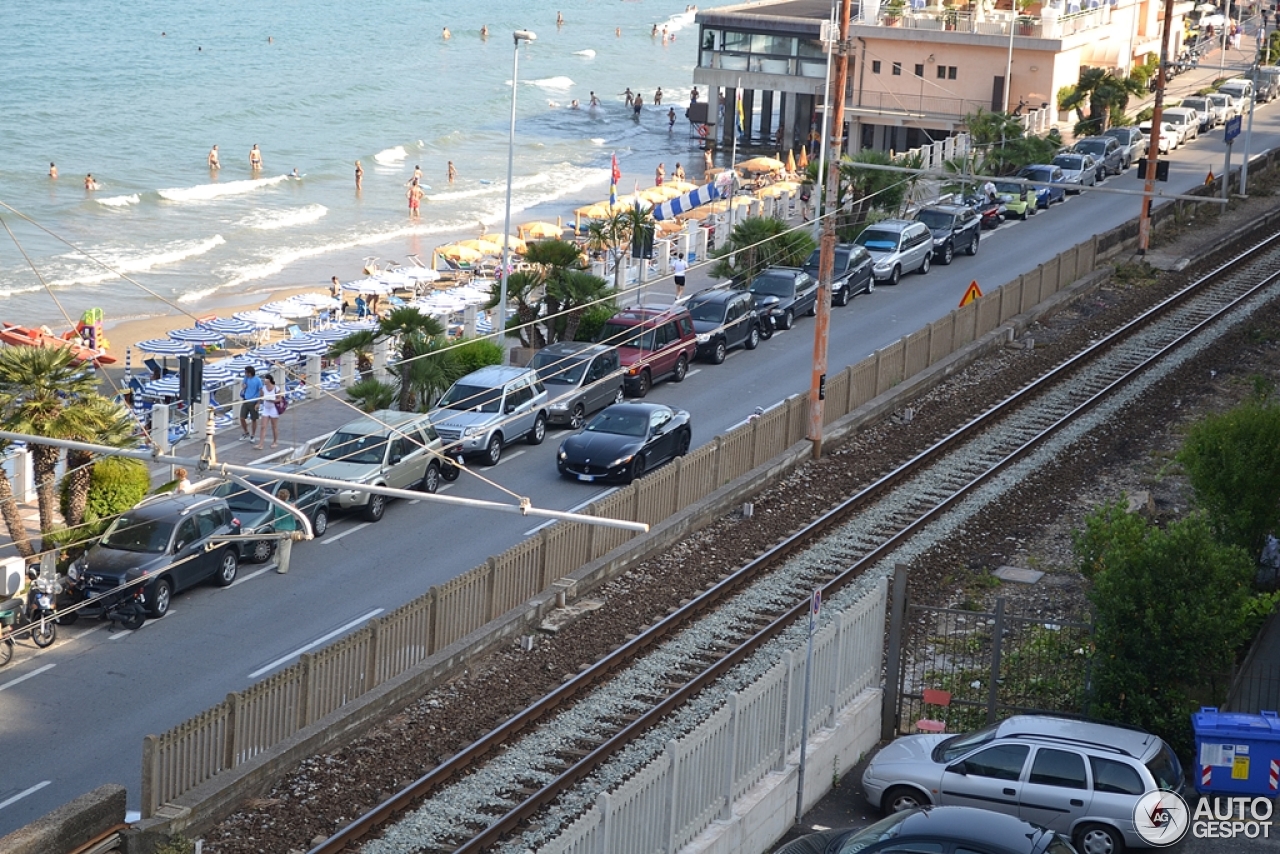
{"type": "Point", "coordinates": [75, 714]}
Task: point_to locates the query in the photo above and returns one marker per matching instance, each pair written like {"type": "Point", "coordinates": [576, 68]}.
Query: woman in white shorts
{"type": "Point", "coordinates": [270, 411]}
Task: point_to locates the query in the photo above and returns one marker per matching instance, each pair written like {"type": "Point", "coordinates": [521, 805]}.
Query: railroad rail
{"type": "Point", "coordinates": [703, 640]}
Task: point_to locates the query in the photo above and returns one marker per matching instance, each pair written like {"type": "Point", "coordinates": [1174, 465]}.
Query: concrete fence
{"type": "Point", "coordinates": [675, 798]}
{"type": "Point", "coordinates": [251, 722]}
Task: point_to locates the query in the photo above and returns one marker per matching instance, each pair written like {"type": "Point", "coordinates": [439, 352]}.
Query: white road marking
{"type": "Point", "coordinates": [511, 456]}
{"type": "Point", "coordinates": [694, 371]}
{"type": "Point", "coordinates": [10, 684]}
{"type": "Point", "coordinates": [574, 509]}
{"type": "Point", "coordinates": [445, 487]}
{"type": "Point", "coordinates": [345, 533]}
{"type": "Point", "coordinates": [150, 621]}
{"type": "Point", "coordinates": [37, 787]}
{"type": "Point", "coordinates": [284, 659]}
{"type": "Point", "coordinates": [243, 578]}
{"type": "Point", "coordinates": [417, 500]}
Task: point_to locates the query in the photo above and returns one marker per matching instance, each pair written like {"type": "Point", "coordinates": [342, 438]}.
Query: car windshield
{"type": "Point", "coordinates": [472, 398]}
{"type": "Point", "coordinates": [1195, 103]}
{"type": "Point", "coordinates": [1073, 162]}
{"type": "Point", "coordinates": [773, 286]}
{"type": "Point", "coordinates": [1218, 100]}
{"type": "Point", "coordinates": [959, 745]}
{"type": "Point", "coordinates": [131, 534]}
{"type": "Point", "coordinates": [841, 260]}
{"type": "Point", "coordinates": [877, 240]}
{"type": "Point", "coordinates": [1037, 174]}
{"type": "Point", "coordinates": [559, 369]}
{"type": "Point", "coordinates": [1122, 134]}
{"type": "Point", "coordinates": [711, 311]}
{"type": "Point", "coordinates": [936, 219]}
{"type": "Point", "coordinates": [1006, 187]}
{"type": "Point", "coordinates": [885, 828]}
{"type": "Point", "coordinates": [619, 423]}
{"type": "Point", "coordinates": [1166, 770]}
{"type": "Point", "coordinates": [242, 500]}
{"type": "Point", "coordinates": [354, 448]}
{"type": "Point", "coordinates": [626, 335]}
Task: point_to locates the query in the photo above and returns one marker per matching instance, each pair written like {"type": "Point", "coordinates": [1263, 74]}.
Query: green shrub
{"type": "Point", "coordinates": [115, 485]}
{"type": "Point", "coordinates": [593, 320]}
{"type": "Point", "coordinates": [477, 353]}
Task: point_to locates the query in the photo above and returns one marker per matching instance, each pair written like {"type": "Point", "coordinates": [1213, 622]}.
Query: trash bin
{"type": "Point", "coordinates": [1237, 754]}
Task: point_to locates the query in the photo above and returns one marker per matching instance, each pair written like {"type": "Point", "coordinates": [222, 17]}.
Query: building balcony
{"type": "Point", "coordinates": [1080, 16]}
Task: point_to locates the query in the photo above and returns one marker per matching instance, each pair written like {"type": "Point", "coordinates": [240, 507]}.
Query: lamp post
{"type": "Point", "coordinates": [519, 36]}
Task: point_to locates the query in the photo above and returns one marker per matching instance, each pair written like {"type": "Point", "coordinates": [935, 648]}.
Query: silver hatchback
{"type": "Point", "coordinates": [897, 246]}
{"type": "Point", "coordinates": [1080, 778]}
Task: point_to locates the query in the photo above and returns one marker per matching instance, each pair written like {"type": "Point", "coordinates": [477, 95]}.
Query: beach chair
{"type": "Point", "coordinates": [294, 330]}
{"type": "Point", "coordinates": [940, 700]}
{"type": "Point", "coordinates": [157, 372]}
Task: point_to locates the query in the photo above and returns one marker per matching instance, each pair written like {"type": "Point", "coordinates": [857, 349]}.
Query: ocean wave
{"type": "Point", "coordinates": [170, 254]}
{"type": "Point", "coordinates": [202, 192]}
{"type": "Point", "coordinates": [597, 140]}
{"type": "Point", "coordinates": [588, 53]}
{"type": "Point", "coordinates": [272, 220]}
{"type": "Point", "coordinates": [678, 21]}
{"type": "Point", "coordinates": [119, 201]}
{"type": "Point", "coordinates": [391, 156]}
{"type": "Point", "coordinates": [12, 292]}
{"type": "Point", "coordinates": [558, 83]}
{"type": "Point", "coordinates": [489, 189]}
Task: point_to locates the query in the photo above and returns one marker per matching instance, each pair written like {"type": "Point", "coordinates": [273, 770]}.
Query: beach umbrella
{"type": "Point", "coordinates": [165, 347]}
{"type": "Point", "coordinates": [275, 353]}
{"type": "Point", "coordinates": [789, 186]}
{"type": "Point", "coordinates": [483, 245]}
{"type": "Point", "coordinates": [315, 300]}
{"type": "Point", "coordinates": [760, 165]}
{"type": "Point", "coordinates": [358, 325]}
{"type": "Point", "coordinates": [791, 161]}
{"type": "Point", "coordinates": [540, 230]}
{"type": "Point", "coordinates": [367, 286]}
{"type": "Point", "coordinates": [804, 158]}
{"type": "Point", "coordinates": [217, 373]}
{"type": "Point", "coordinates": [262, 319]}
{"type": "Point", "coordinates": [458, 252]}
{"type": "Point", "coordinates": [420, 274]}
{"type": "Point", "coordinates": [237, 364]}
{"type": "Point", "coordinates": [162, 388]}
{"type": "Point", "coordinates": [197, 335]}
{"type": "Point", "coordinates": [228, 326]}
{"type": "Point", "coordinates": [682, 186]}
{"type": "Point", "coordinates": [305, 345]}
{"type": "Point", "coordinates": [288, 308]}
{"type": "Point", "coordinates": [599, 210]}
{"type": "Point", "coordinates": [331, 335]}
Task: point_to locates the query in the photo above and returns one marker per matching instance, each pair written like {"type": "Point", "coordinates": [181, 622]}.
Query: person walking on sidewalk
{"type": "Point", "coordinates": [678, 268]}
{"type": "Point", "coordinates": [270, 412]}
{"type": "Point", "coordinates": [251, 395]}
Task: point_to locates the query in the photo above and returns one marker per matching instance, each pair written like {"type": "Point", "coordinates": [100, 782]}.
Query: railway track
{"type": "Point", "coordinates": [545, 764]}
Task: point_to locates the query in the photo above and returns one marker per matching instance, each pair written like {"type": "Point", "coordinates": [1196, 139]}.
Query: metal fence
{"type": "Point", "coordinates": [674, 798]}
{"type": "Point", "coordinates": [251, 722]}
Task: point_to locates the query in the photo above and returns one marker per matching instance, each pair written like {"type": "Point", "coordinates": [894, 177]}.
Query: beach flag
{"type": "Point", "coordinates": [742, 122]}
{"type": "Point", "coordinates": [614, 176]}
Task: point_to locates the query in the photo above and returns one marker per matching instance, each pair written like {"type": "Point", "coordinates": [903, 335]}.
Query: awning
{"type": "Point", "coordinates": [685, 203]}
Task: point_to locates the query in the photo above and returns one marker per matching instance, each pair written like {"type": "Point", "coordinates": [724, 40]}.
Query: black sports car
{"type": "Point", "coordinates": [624, 441]}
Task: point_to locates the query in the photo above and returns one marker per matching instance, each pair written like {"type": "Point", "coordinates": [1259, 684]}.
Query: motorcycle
{"type": "Point", "coordinates": [126, 606]}
{"type": "Point", "coordinates": [34, 616]}
{"type": "Point", "coordinates": [988, 210]}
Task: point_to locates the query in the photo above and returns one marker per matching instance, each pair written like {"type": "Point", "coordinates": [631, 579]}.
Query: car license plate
{"type": "Point", "coordinates": [586, 478]}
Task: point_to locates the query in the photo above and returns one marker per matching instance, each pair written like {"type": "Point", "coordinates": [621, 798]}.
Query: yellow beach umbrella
{"type": "Point", "coordinates": [540, 230]}
{"type": "Point", "coordinates": [791, 161]}
{"type": "Point", "coordinates": [599, 210]}
{"type": "Point", "coordinates": [682, 186]}
{"type": "Point", "coordinates": [785, 185]}
{"type": "Point", "coordinates": [804, 158]}
{"type": "Point", "coordinates": [459, 252]}
{"type": "Point", "coordinates": [770, 191]}
{"type": "Point", "coordinates": [758, 165]}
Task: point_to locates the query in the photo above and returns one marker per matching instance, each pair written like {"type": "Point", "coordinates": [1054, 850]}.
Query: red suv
{"type": "Point", "coordinates": [654, 342]}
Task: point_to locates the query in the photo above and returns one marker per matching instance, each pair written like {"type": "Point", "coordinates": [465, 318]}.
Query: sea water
{"type": "Point", "coordinates": [137, 92]}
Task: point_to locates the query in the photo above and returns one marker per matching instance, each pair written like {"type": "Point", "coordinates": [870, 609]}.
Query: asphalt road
{"type": "Point", "coordinates": [75, 715]}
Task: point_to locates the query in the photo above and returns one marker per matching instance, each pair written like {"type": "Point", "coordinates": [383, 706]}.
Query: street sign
{"type": "Point", "coordinates": [1232, 129]}
{"type": "Point", "coordinates": [971, 294]}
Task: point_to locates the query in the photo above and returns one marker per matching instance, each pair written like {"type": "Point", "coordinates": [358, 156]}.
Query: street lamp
{"type": "Point", "coordinates": [518, 36]}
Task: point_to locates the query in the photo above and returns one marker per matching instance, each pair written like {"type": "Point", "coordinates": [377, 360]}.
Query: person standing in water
{"type": "Point", "coordinates": [213, 159]}
{"type": "Point", "coordinates": [359, 174]}
{"type": "Point", "coordinates": [89, 183]}
{"type": "Point", "coordinates": [636, 105]}
{"type": "Point", "coordinates": [445, 34]}
{"type": "Point", "coordinates": [255, 158]}
{"type": "Point", "coordinates": [484, 31]}
{"type": "Point", "coordinates": [453, 173]}
{"type": "Point", "coordinates": [657, 97]}
{"type": "Point", "coordinates": [671, 120]}
{"type": "Point", "coordinates": [415, 198]}
{"type": "Point", "coordinates": [559, 20]}
{"type": "Point", "coordinates": [53, 171]}
{"type": "Point", "coordinates": [628, 96]}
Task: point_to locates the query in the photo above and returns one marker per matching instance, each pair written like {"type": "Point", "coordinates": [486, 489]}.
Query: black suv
{"type": "Point", "coordinates": [850, 272]}
{"type": "Point", "coordinates": [168, 538]}
{"type": "Point", "coordinates": [723, 319]}
{"type": "Point", "coordinates": [1107, 151]}
{"type": "Point", "coordinates": [954, 227]}
{"type": "Point", "coordinates": [256, 515]}
{"type": "Point", "coordinates": [580, 378]}
{"type": "Point", "coordinates": [783, 292]}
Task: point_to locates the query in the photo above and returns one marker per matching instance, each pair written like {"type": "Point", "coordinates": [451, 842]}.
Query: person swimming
{"type": "Point", "coordinates": [295, 174]}
{"type": "Point", "coordinates": [89, 183]}
{"type": "Point", "coordinates": [573, 105]}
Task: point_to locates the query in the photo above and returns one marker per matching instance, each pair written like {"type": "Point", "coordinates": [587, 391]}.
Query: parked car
{"type": "Point", "coordinates": [897, 246]}
{"type": "Point", "coordinates": [724, 318]}
{"type": "Point", "coordinates": [580, 378]}
{"type": "Point", "coordinates": [384, 448]}
{"type": "Point", "coordinates": [964, 830]}
{"type": "Point", "coordinates": [1166, 140]}
{"type": "Point", "coordinates": [850, 272]}
{"type": "Point", "coordinates": [172, 539]}
{"type": "Point", "coordinates": [489, 409]}
{"type": "Point", "coordinates": [1223, 105]}
{"type": "Point", "coordinates": [1210, 115]}
{"type": "Point", "coordinates": [624, 441]}
{"type": "Point", "coordinates": [1185, 121]}
{"type": "Point", "coordinates": [954, 228]}
{"type": "Point", "coordinates": [1078, 170]}
{"type": "Point", "coordinates": [1017, 200]}
{"type": "Point", "coordinates": [1133, 142]}
{"type": "Point", "coordinates": [1051, 175]}
{"type": "Point", "coordinates": [1106, 150]}
{"type": "Point", "coordinates": [1239, 88]}
{"type": "Point", "coordinates": [1266, 84]}
{"type": "Point", "coordinates": [257, 515]}
{"type": "Point", "coordinates": [654, 343]}
{"type": "Point", "coordinates": [782, 293]}
{"type": "Point", "coordinates": [1078, 777]}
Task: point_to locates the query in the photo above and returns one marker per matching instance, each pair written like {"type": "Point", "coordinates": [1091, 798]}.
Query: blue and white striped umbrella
{"type": "Point", "coordinates": [219, 373]}
{"type": "Point", "coordinates": [275, 353]}
{"type": "Point", "coordinates": [288, 308]}
{"type": "Point", "coordinates": [229, 326]}
{"type": "Point", "coordinates": [316, 300]}
{"type": "Point", "coordinates": [165, 347]}
{"type": "Point", "coordinates": [197, 335]}
{"type": "Point", "coordinates": [162, 388]}
{"type": "Point", "coordinates": [686, 203]}
{"type": "Point", "coordinates": [330, 335]}
{"type": "Point", "coordinates": [367, 286]}
{"type": "Point", "coordinates": [262, 319]}
{"type": "Point", "coordinates": [304, 344]}
{"type": "Point", "coordinates": [357, 325]}
{"type": "Point", "coordinates": [237, 364]}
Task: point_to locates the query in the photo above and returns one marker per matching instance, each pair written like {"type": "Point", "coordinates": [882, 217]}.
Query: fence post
{"type": "Point", "coordinates": [605, 804]}
{"type": "Point", "coordinates": [731, 757]}
{"type": "Point", "coordinates": [434, 593]}
{"type": "Point", "coordinates": [150, 770]}
{"type": "Point", "coordinates": [490, 587]}
{"type": "Point", "coordinates": [371, 662]}
{"type": "Point", "coordinates": [786, 712]}
{"type": "Point", "coordinates": [715, 465]}
{"type": "Point", "coordinates": [997, 641]}
{"type": "Point", "coordinates": [673, 793]}
{"type": "Point", "coordinates": [304, 690]}
{"type": "Point", "coordinates": [229, 732]}
{"type": "Point", "coordinates": [893, 660]}
{"type": "Point", "coordinates": [837, 662]}
{"type": "Point", "coordinates": [542, 558]}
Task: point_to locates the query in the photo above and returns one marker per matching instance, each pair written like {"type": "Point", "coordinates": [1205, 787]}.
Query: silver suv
{"type": "Point", "coordinates": [385, 448]}
{"type": "Point", "coordinates": [489, 409]}
{"type": "Point", "coordinates": [897, 246]}
{"type": "Point", "coordinates": [1080, 778]}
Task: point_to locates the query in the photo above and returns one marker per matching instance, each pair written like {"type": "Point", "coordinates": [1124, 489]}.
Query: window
{"type": "Point", "coordinates": [951, 72]}
{"type": "Point", "coordinates": [919, 69]}
{"type": "Point", "coordinates": [208, 522]}
{"type": "Point", "coordinates": [1058, 768]}
{"type": "Point", "coordinates": [186, 535]}
{"type": "Point", "coordinates": [519, 396]}
{"type": "Point", "coordinates": [1115, 778]}
{"type": "Point", "coordinates": [1003, 762]}
{"type": "Point", "coordinates": [942, 72]}
{"type": "Point", "coordinates": [897, 69]}
{"type": "Point", "coordinates": [875, 66]}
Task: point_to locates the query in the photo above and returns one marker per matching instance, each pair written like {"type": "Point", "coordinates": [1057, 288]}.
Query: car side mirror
{"type": "Point", "coordinates": [395, 459]}
{"type": "Point", "coordinates": [510, 408]}
{"type": "Point", "coordinates": [958, 768]}
{"type": "Point", "coordinates": [178, 547]}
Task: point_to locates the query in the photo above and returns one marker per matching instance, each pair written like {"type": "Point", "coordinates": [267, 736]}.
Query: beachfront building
{"type": "Point", "coordinates": [916, 67]}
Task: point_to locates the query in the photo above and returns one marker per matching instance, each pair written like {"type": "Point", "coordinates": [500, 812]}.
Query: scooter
{"type": "Point", "coordinates": [126, 606]}
{"type": "Point", "coordinates": [987, 210]}
{"type": "Point", "coordinates": [33, 616]}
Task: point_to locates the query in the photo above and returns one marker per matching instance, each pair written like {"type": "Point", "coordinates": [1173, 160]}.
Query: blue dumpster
{"type": "Point", "coordinates": [1236, 754]}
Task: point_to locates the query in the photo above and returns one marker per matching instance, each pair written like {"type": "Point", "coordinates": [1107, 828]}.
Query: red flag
{"type": "Point", "coordinates": [617, 173]}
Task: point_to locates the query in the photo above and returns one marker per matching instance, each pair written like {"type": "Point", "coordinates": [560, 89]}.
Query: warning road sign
{"type": "Point", "coordinates": [971, 294]}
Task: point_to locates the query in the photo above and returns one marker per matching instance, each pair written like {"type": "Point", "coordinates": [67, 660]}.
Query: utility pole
{"type": "Point", "coordinates": [827, 242]}
{"type": "Point", "coordinates": [1153, 145]}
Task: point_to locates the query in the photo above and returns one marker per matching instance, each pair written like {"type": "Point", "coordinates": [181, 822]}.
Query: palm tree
{"type": "Point", "coordinates": [9, 510]}
{"type": "Point", "coordinates": [551, 297]}
{"type": "Point", "coordinates": [1103, 93]}
{"type": "Point", "coordinates": [758, 242]}
{"type": "Point", "coordinates": [614, 233]}
{"type": "Point", "coordinates": [525, 289]}
{"type": "Point", "coordinates": [413, 332]}
{"type": "Point", "coordinates": [111, 424]}
{"type": "Point", "coordinates": [41, 392]}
